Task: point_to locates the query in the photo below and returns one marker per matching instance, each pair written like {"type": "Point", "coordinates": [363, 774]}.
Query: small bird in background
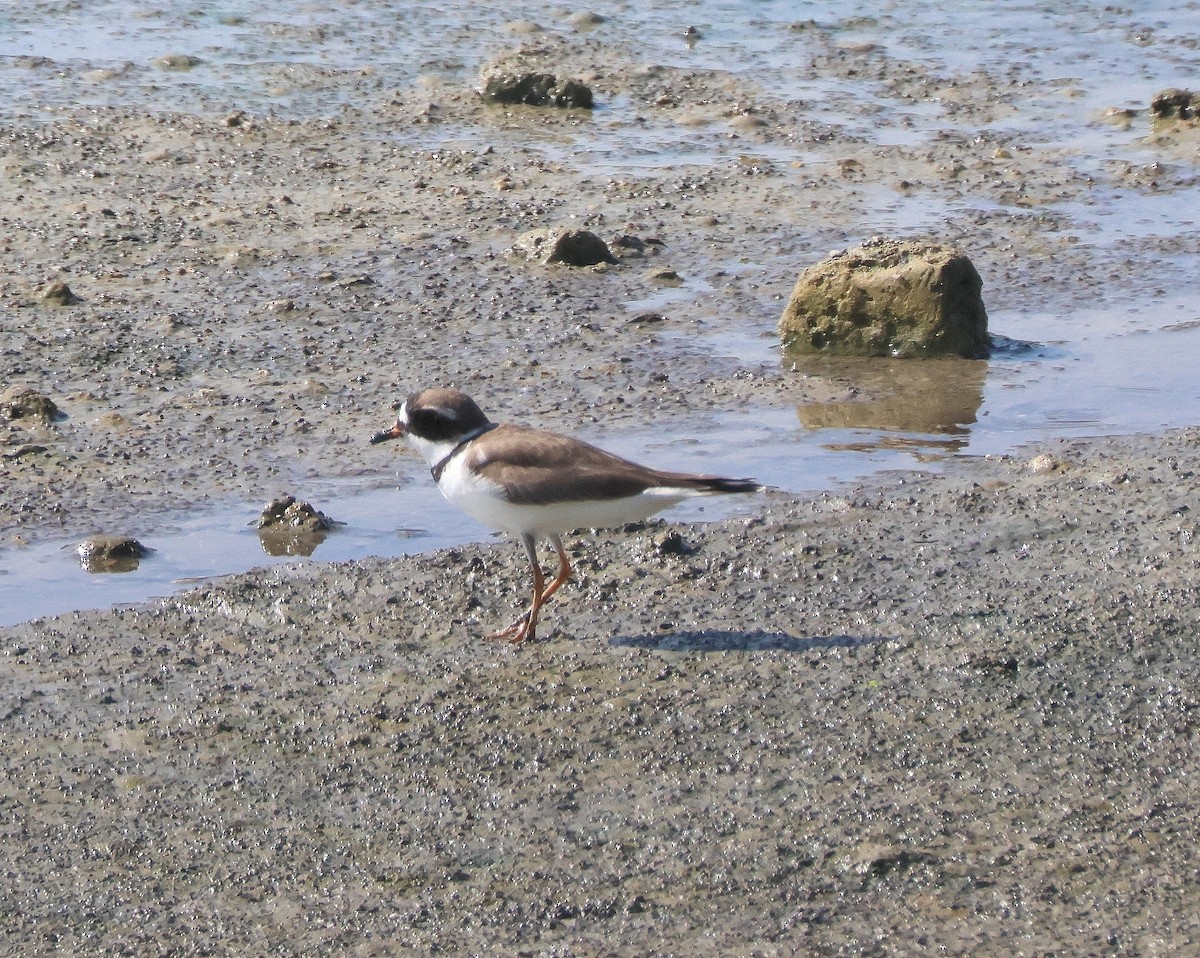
{"type": "Point", "coordinates": [536, 484]}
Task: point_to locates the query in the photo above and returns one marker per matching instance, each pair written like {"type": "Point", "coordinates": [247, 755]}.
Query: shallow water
{"type": "Point", "coordinates": [410, 516]}
{"type": "Point", "coordinates": [266, 59]}
{"type": "Point", "coordinates": [960, 407]}
{"type": "Point", "coordinates": [1122, 362]}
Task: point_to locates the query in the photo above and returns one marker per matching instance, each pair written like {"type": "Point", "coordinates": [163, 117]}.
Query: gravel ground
{"type": "Point", "coordinates": [948, 714]}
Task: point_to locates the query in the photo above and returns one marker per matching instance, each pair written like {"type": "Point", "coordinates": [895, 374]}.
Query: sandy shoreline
{"type": "Point", "coordinates": [952, 711]}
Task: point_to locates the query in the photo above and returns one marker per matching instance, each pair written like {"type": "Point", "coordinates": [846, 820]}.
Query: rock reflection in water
{"type": "Point", "coordinates": [111, 553]}
{"type": "Point", "coordinates": [927, 397]}
{"type": "Point", "coordinates": [289, 527]}
{"type": "Point", "coordinates": [284, 541]}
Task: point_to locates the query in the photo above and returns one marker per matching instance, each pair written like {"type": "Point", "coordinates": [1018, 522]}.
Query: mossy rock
{"type": "Point", "coordinates": [537, 89]}
{"type": "Point", "coordinates": [889, 298]}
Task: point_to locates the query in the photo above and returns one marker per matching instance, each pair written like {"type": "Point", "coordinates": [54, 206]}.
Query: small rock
{"type": "Point", "coordinates": [106, 553]}
{"type": "Point", "coordinates": [627, 245]}
{"type": "Point", "coordinates": [665, 277]}
{"type": "Point", "coordinates": [236, 119]}
{"type": "Point", "coordinates": [289, 512]}
{"type": "Point", "coordinates": [291, 528]}
{"type": "Point", "coordinates": [21, 402]}
{"type": "Point", "coordinates": [1175, 104]}
{"type": "Point", "coordinates": [1043, 464]}
{"type": "Point", "coordinates": [242, 256]}
{"type": "Point", "coordinates": [648, 319]}
{"type": "Point", "coordinates": [569, 247]}
{"type": "Point", "coordinates": [59, 293]}
{"type": "Point", "coordinates": [537, 89]}
{"type": "Point", "coordinates": [746, 122]}
{"type": "Point", "coordinates": [525, 28]}
{"type": "Point", "coordinates": [360, 280]}
{"type": "Point", "coordinates": [21, 451]}
{"type": "Point", "coordinates": [1120, 117]}
{"type": "Point", "coordinates": [889, 298]}
{"type": "Point", "coordinates": [102, 75]}
{"type": "Point", "coordinates": [585, 20]}
{"type": "Point", "coordinates": [671, 543]}
{"type": "Point", "coordinates": [162, 154]}
{"type": "Point", "coordinates": [177, 61]}
{"type": "Point", "coordinates": [112, 420]}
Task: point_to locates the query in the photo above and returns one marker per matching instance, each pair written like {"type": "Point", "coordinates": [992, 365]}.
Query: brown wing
{"type": "Point", "coordinates": [541, 467]}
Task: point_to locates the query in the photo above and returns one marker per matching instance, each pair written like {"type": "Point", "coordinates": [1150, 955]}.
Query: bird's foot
{"type": "Point", "coordinates": [516, 633]}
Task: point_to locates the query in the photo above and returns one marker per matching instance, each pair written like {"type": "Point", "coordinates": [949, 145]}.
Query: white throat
{"type": "Point", "coordinates": [440, 454]}
{"type": "Point", "coordinates": [431, 452]}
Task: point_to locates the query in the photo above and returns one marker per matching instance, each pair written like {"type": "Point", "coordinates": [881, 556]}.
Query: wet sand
{"type": "Point", "coordinates": [951, 712]}
{"type": "Point", "coordinates": [946, 713]}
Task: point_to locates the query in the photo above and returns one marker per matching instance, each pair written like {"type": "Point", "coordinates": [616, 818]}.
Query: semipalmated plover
{"type": "Point", "coordinates": [536, 484]}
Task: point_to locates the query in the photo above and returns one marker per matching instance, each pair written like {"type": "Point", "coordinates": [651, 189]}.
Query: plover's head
{"type": "Point", "coordinates": [434, 421]}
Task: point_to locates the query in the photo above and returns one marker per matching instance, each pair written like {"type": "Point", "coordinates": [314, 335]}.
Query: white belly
{"type": "Point", "coordinates": [484, 501]}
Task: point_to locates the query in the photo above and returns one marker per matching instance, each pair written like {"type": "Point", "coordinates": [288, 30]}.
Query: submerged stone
{"type": "Point", "coordinates": [287, 526]}
{"type": "Point", "coordinates": [288, 512]}
{"type": "Point", "coordinates": [109, 553]}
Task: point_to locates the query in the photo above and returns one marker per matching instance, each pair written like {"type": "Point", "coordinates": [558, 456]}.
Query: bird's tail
{"type": "Point", "coordinates": [719, 484]}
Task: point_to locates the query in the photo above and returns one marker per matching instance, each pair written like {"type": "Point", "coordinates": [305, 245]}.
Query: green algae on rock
{"type": "Point", "coordinates": [537, 89]}
{"type": "Point", "coordinates": [889, 298]}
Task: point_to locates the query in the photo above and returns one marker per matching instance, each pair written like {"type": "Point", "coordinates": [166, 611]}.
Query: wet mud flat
{"type": "Point", "coordinates": [223, 298]}
{"type": "Point", "coordinates": [948, 713]}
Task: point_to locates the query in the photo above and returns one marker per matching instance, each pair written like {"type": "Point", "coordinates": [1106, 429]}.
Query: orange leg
{"type": "Point", "coordinates": [564, 568]}
{"type": "Point", "coordinates": [526, 626]}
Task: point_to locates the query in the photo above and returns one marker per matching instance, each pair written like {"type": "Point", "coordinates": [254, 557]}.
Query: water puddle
{"type": "Point", "coordinates": [408, 515]}
{"type": "Point", "coordinates": [899, 415]}
{"type": "Point", "coordinates": [47, 577]}
{"type": "Point", "coordinates": [207, 58]}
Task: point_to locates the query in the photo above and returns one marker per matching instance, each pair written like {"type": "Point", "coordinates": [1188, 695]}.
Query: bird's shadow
{"type": "Point", "coordinates": [758, 640]}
